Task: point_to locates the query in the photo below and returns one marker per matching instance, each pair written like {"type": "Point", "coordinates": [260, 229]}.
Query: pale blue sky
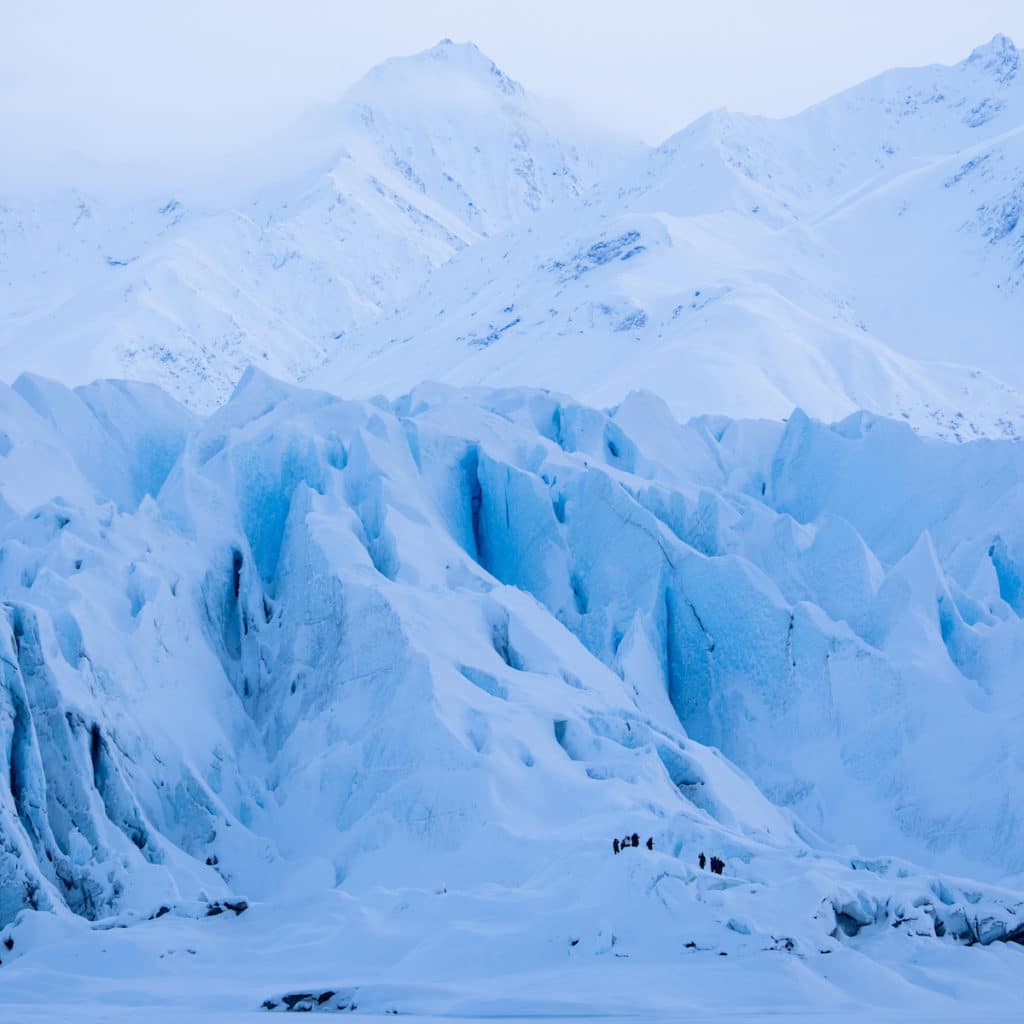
{"type": "Point", "coordinates": [190, 79]}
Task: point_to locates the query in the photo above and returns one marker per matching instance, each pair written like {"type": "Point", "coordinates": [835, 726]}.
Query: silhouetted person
{"type": "Point", "coordinates": [615, 845]}
{"type": "Point", "coordinates": [717, 865]}
{"type": "Point", "coordinates": [650, 843]}
{"type": "Point", "coordinates": [634, 840]}
{"type": "Point", "coordinates": [702, 860]}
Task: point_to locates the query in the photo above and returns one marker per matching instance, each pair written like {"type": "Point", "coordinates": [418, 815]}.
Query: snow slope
{"type": "Point", "coordinates": [848, 257]}
{"type": "Point", "coordinates": [395, 673]}
{"type": "Point", "coordinates": [440, 223]}
{"type": "Point", "coordinates": [186, 283]}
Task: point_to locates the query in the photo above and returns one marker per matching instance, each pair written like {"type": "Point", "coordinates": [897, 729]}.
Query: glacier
{"type": "Point", "coordinates": [392, 675]}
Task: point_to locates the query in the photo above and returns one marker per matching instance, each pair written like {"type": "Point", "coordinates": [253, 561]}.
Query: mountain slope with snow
{"type": "Point", "coordinates": [423, 158]}
{"type": "Point", "coordinates": [427, 658]}
{"type": "Point", "coordinates": [446, 225]}
{"type": "Point", "coordinates": [863, 254]}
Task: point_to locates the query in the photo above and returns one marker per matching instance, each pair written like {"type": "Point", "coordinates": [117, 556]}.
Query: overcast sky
{"type": "Point", "coordinates": [191, 79]}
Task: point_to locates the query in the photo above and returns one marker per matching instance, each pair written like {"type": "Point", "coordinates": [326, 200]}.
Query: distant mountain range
{"type": "Point", "coordinates": [866, 253]}
{"type": "Point", "coordinates": [423, 158]}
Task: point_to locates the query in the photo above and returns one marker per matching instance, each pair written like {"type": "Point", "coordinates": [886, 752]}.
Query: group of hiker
{"type": "Point", "coordinates": [717, 864]}
{"type": "Point", "coordinates": [633, 841]}
{"type": "Point", "coordinates": [628, 841]}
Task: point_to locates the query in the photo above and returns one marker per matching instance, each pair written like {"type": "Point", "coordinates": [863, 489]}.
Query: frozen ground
{"type": "Point", "coordinates": [396, 673]}
{"type": "Point", "coordinates": [222, 970]}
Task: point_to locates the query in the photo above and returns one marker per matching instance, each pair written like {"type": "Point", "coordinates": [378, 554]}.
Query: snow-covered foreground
{"type": "Point", "coordinates": [378, 684]}
{"type": "Point", "coordinates": [222, 970]}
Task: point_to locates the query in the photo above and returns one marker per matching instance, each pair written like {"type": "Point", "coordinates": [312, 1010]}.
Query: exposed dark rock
{"type": "Point", "coordinates": [238, 906]}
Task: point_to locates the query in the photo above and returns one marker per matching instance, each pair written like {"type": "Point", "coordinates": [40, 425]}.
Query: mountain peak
{"type": "Point", "coordinates": [998, 44]}
{"type": "Point", "coordinates": [998, 56]}
{"type": "Point", "coordinates": [470, 57]}
{"type": "Point", "coordinates": [461, 58]}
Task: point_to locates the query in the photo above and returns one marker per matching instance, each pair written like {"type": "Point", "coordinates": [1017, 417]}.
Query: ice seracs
{"type": "Point", "coordinates": [462, 637]}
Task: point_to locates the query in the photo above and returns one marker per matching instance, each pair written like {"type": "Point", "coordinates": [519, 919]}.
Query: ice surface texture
{"type": "Point", "coordinates": [466, 632]}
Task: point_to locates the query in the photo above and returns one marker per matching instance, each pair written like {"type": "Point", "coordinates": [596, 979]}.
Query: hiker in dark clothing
{"type": "Point", "coordinates": [702, 860]}
{"type": "Point", "coordinates": [615, 845]}
{"type": "Point", "coordinates": [650, 842]}
{"type": "Point", "coordinates": [635, 840]}
{"type": "Point", "coordinates": [717, 865]}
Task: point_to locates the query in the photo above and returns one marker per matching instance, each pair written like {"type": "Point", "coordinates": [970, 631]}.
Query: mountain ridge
{"type": "Point", "coordinates": [188, 295]}
{"type": "Point", "coordinates": [330, 267]}
{"type": "Point", "coordinates": [846, 257]}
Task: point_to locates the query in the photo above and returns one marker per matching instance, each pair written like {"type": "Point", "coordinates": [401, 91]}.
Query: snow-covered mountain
{"type": "Point", "coordinates": [866, 253]}
{"type": "Point", "coordinates": [432, 656]}
{"type": "Point", "coordinates": [185, 285]}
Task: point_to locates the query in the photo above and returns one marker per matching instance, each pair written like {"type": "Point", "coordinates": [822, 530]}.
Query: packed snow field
{"type": "Point", "coordinates": [344, 700]}
{"type": "Point", "coordinates": [321, 696]}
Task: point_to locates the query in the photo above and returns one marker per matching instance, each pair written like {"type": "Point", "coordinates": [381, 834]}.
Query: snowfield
{"type": "Point", "coordinates": [314, 696]}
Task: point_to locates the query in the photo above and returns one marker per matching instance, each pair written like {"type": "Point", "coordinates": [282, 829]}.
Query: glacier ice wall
{"type": "Point", "coordinates": [366, 641]}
